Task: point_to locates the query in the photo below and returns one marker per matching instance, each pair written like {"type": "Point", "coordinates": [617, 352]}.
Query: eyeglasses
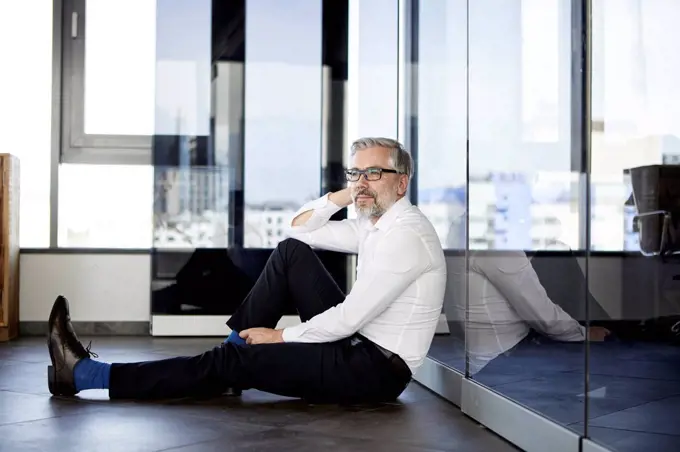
{"type": "Point", "coordinates": [371, 174]}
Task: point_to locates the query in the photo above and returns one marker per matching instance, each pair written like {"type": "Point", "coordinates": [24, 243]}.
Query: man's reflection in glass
{"type": "Point", "coordinates": [504, 305]}
{"type": "Point", "coordinates": [507, 306]}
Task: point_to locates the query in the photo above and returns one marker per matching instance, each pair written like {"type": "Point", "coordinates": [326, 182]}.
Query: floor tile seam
{"type": "Point", "coordinates": [632, 407]}
{"type": "Point", "coordinates": [112, 405]}
{"type": "Point", "coordinates": [198, 415]}
{"type": "Point", "coordinates": [12, 362]}
{"type": "Point", "coordinates": [272, 423]}
{"type": "Point", "coordinates": [630, 378]}
{"type": "Point", "coordinates": [241, 437]}
{"type": "Point", "coordinates": [12, 391]}
{"type": "Point", "coordinates": [633, 431]}
{"type": "Point", "coordinates": [76, 413]}
{"type": "Point", "coordinates": [341, 435]}
{"type": "Point", "coordinates": [541, 393]}
{"type": "Point", "coordinates": [30, 421]}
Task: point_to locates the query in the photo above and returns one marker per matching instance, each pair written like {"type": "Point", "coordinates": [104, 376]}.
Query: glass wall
{"type": "Point", "coordinates": [438, 141]}
{"type": "Point", "coordinates": [552, 183]}
{"type": "Point", "coordinates": [558, 219]}
{"type": "Point", "coordinates": [191, 176]}
{"type": "Point", "coordinates": [500, 175]}
{"type": "Point", "coordinates": [635, 375]}
{"type": "Point", "coordinates": [526, 290]}
{"type": "Point", "coordinates": [372, 71]}
{"type": "Point", "coordinates": [250, 123]}
{"type": "Point", "coordinates": [283, 114]}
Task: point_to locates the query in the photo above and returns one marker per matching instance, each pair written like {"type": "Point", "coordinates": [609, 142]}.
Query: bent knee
{"type": "Point", "coordinates": [290, 244]}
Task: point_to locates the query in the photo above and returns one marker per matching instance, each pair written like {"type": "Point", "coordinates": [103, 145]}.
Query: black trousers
{"type": "Point", "coordinates": [351, 370]}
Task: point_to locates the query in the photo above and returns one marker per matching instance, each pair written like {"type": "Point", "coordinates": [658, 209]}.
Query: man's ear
{"type": "Point", "coordinates": [403, 185]}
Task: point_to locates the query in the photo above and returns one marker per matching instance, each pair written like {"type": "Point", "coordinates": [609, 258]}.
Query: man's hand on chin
{"type": "Point", "coordinates": [254, 336]}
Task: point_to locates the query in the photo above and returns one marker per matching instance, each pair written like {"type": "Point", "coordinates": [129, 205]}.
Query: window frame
{"type": "Point", "coordinates": [76, 145]}
{"type": "Point", "coordinates": [55, 154]}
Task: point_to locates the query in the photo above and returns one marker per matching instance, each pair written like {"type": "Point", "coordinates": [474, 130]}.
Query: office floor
{"type": "Point", "coordinates": [31, 420]}
{"type": "Point", "coordinates": [634, 392]}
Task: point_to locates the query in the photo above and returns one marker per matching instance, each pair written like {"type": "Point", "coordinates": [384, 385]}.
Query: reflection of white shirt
{"type": "Point", "coordinates": [397, 298]}
{"type": "Point", "coordinates": [506, 299]}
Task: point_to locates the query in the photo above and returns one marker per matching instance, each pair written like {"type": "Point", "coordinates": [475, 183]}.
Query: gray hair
{"type": "Point", "coordinates": [400, 158]}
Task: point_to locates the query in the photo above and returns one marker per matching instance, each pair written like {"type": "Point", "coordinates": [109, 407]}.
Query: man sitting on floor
{"type": "Point", "coordinates": [354, 348]}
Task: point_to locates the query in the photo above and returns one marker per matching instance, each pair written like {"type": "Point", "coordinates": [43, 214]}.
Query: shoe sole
{"type": "Point", "coordinates": [52, 383]}
{"type": "Point", "coordinates": [54, 386]}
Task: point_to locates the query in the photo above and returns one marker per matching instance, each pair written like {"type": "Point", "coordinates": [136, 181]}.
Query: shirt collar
{"type": "Point", "coordinates": [389, 217]}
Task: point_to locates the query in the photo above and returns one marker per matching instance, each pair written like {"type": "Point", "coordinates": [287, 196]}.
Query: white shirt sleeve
{"type": "Point", "coordinates": [516, 279]}
{"type": "Point", "coordinates": [319, 232]}
{"type": "Point", "coordinates": [400, 258]}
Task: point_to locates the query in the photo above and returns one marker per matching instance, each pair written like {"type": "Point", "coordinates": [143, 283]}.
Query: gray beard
{"type": "Point", "coordinates": [374, 211]}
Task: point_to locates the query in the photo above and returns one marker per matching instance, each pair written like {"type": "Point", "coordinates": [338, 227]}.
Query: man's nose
{"type": "Point", "coordinates": [362, 182]}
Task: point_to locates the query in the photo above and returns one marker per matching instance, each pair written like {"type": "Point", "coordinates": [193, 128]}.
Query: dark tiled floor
{"type": "Point", "coordinates": [32, 420]}
{"type": "Point", "coordinates": [634, 391]}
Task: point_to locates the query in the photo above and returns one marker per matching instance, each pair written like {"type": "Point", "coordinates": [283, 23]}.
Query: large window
{"type": "Point", "coordinates": [105, 206]}
{"type": "Point", "coordinates": [440, 108]}
{"type": "Point", "coordinates": [635, 106]}
{"type": "Point", "coordinates": [373, 71]}
{"type": "Point", "coordinates": [109, 86]}
{"type": "Point", "coordinates": [26, 110]}
{"type": "Point", "coordinates": [522, 185]}
{"type": "Point", "coordinates": [122, 88]}
{"type": "Point", "coordinates": [283, 114]}
{"type": "Point", "coordinates": [131, 80]}
{"type": "Point", "coordinates": [109, 62]}
{"type": "Point", "coordinates": [119, 70]}
{"type": "Point", "coordinates": [190, 187]}
{"type": "Point", "coordinates": [373, 57]}
{"type": "Point", "coordinates": [521, 171]}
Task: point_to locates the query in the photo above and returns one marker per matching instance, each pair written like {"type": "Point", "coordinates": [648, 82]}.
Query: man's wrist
{"type": "Point", "coordinates": [340, 198]}
{"type": "Point", "coordinates": [280, 335]}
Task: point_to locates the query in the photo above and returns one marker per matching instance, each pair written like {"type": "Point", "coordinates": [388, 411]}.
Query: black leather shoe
{"type": "Point", "coordinates": [65, 350]}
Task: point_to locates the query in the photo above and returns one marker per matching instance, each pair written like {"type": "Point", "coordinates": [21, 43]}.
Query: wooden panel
{"type": "Point", "coordinates": [9, 247]}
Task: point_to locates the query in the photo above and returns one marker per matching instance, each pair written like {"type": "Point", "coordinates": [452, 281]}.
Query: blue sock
{"type": "Point", "coordinates": [89, 374]}
{"type": "Point", "coordinates": [234, 338]}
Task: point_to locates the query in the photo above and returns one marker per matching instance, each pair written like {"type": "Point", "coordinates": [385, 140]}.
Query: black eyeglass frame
{"type": "Point", "coordinates": [365, 172]}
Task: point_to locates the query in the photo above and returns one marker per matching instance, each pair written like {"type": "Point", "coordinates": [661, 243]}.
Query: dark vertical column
{"type": "Point", "coordinates": [409, 69]}
{"type": "Point", "coordinates": [335, 29]}
{"type": "Point", "coordinates": [580, 114]}
{"type": "Point", "coordinates": [578, 82]}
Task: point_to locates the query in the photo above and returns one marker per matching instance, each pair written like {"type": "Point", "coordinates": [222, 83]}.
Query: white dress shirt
{"type": "Point", "coordinates": [505, 299]}
{"type": "Point", "coordinates": [397, 298]}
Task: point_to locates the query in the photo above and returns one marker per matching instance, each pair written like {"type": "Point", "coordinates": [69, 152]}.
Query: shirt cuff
{"type": "Point", "coordinates": [322, 207]}
{"type": "Point", "coordinates": [292, 333]}
{"type": "Point", "coordinates": [584, 331]}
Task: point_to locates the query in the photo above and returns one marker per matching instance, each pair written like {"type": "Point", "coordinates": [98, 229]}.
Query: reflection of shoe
{"type": "Point", "coordinates": [233, 392]}
{"type": "Point", "coordinates": [65, 350]}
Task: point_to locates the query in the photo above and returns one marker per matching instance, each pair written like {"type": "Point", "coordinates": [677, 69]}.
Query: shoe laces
{"type": "Point", "coordinates": [94, 355]}
{"type": "Point", "coordinates": [85, 350]}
